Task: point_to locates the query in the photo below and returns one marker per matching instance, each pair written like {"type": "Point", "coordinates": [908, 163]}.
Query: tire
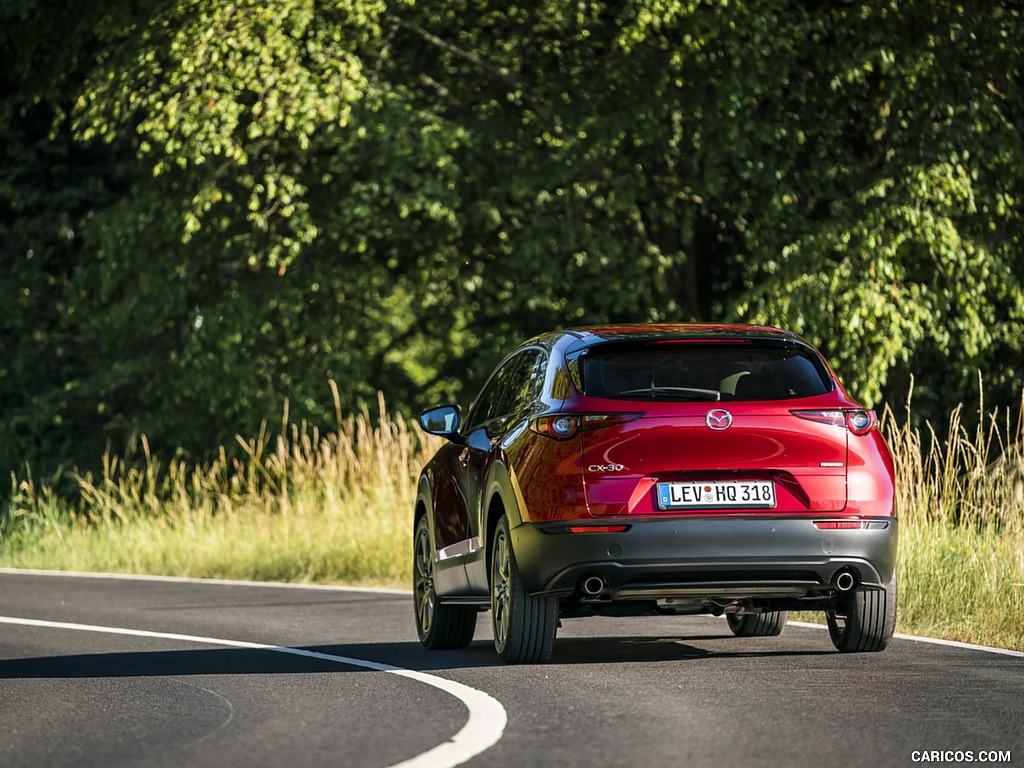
{"type": "Point", "coordinates": [524, 626]}
{"type": "Point", "coordinates": [863, 619]}
{"type": "Point", "coordinates": [439, 626]}
{"type": "Point", "coordinates": [767, 624]}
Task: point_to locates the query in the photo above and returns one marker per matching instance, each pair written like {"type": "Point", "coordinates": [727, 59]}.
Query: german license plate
{"type": "Point", "coordinates": [717, 494]}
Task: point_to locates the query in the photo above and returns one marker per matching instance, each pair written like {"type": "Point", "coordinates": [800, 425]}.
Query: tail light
{"type": "Point", "coordinates": [559, 426]}
{"type": "Point", "coordinates": [857, 420]}
{"type": "Point", "coordinates": [562, 426]}
{"type": "Point", "coordinates": [598, 420]}
{"type": "Point", "coordinates": [861, 422]}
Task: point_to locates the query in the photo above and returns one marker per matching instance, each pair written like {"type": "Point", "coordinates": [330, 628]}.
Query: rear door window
{"type": "Point", "coordinates": [704, 372]}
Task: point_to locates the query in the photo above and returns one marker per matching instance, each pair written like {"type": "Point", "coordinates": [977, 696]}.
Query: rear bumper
{"type": "Point", "coordinates": [721, 557]}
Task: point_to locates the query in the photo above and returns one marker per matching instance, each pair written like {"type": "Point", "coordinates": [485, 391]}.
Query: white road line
{"type": "Point", "coordinates": [191, 580]}
{"type": "Point", "coordinates": [483, 729]}
{"type": "Point", "coordinates": [932, 640]}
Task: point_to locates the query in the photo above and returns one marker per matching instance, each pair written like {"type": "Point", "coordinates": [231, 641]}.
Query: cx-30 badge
{"type": "Point", "coordinates": [718, 419]}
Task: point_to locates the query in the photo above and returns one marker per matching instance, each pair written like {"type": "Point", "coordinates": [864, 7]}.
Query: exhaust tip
{"type": "Point", "coordinates": [844, 581]}
{"type": "Point", "coordinates": [592, 585]}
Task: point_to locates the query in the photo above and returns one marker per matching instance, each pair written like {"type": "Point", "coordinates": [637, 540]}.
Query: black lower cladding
{"type": "Point", "coordinates": [745, 551]}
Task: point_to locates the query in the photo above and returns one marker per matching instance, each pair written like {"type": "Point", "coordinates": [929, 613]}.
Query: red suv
{"type": "Point", "coordinates": [666, 469]}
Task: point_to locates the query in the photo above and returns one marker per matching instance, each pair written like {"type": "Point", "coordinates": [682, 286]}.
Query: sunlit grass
{"type": "Point", "coordinates": [336, 508]}
{"type": "Point", "coordinates": [308, 507]}
{"type": "Point", "coordinates": [961, 504]}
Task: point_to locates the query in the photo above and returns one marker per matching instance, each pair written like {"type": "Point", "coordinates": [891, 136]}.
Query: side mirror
{"type": "Point", "coordinates": [443, 421]}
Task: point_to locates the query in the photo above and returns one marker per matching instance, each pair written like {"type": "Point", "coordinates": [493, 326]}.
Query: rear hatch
{"type": "Point", "coordinates": [714, 428]}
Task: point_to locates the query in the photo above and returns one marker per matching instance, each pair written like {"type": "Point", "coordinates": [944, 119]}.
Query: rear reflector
{"type": "Point", "coordinates": [598, 528]}
{"type": "Point", "coordinates": [839, 525]}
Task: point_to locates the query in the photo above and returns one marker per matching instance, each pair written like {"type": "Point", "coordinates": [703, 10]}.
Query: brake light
{"type": "Point", "coordinates": [839, 525]}
{"type": "Point", "coordinates": [699, 341]}
{"type": "Point", "coordinates": [836, 418]}
{"type": "Point", "coordinates": [598, 528]}
{"type": "Point", "coordinates": [857, 420]}
{"type": "Point", "coordinates": [562, 426]}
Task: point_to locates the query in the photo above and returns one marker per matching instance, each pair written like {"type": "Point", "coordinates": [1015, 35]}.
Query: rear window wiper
{"type": "Point", "coordinates": [679, 393]}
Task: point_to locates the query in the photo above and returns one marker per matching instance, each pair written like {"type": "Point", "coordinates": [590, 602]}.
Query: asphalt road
{"type": "Point", "coordinates": [641, 692]}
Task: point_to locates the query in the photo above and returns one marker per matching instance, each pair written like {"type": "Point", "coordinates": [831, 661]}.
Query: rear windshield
{"type": "Point", "coordinates": [736, 372]}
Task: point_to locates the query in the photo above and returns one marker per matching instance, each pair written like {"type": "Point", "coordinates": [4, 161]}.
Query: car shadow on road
{"type": "Point", "coordinates": [408, 655]}
{"type": "Point", "coordinates": [598, 650]}
{"type": "Point", "coordinates": [178, 663]}
{"type": "Point", "coordinates": [614, 650]}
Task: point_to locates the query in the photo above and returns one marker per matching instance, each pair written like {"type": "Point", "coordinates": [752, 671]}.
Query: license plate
{"type": "Point", "coordinates": [716, 494]}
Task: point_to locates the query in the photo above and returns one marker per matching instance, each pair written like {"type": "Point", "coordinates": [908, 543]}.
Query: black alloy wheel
{"type": "Point", "coordinates": [524, 625]}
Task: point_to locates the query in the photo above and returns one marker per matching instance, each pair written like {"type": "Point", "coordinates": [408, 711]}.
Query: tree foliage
{"type": "Point", "coordinates": [212, 208]}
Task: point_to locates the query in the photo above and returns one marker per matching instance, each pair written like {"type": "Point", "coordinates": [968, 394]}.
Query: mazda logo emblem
{"type": "Point", "coordinates": [718, 419]}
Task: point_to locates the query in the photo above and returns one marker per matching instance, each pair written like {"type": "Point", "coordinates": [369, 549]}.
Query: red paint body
{"type": "Point", "coordinates": [581, 442]}
{"type": "Point", "coordinates": [563, 480]}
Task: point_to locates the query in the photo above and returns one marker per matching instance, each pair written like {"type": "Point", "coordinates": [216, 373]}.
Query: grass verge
{"type": "Point", "coordinates": [962, 529]}
{"type": "Point", "coordinates": [336, 508]}
{"type": "Point", "coordinates": [305, 507]}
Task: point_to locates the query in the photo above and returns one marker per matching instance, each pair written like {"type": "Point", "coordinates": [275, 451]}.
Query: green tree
{"type": "Point", "coordinates": [211, 208]}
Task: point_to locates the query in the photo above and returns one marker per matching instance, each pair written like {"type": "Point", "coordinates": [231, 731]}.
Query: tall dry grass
{"type": "Point", "coordinates": [300, 506]}
{"type": "Point", "coordinates": [337, 507]}
{"type": "Point", "coordinates": [960, 495]}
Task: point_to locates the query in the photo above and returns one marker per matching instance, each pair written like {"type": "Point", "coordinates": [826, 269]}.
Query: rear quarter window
{"type": "Point", "coordinates": [732, 372]}
{"type": "Point", "coordinates": [512, 388]}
